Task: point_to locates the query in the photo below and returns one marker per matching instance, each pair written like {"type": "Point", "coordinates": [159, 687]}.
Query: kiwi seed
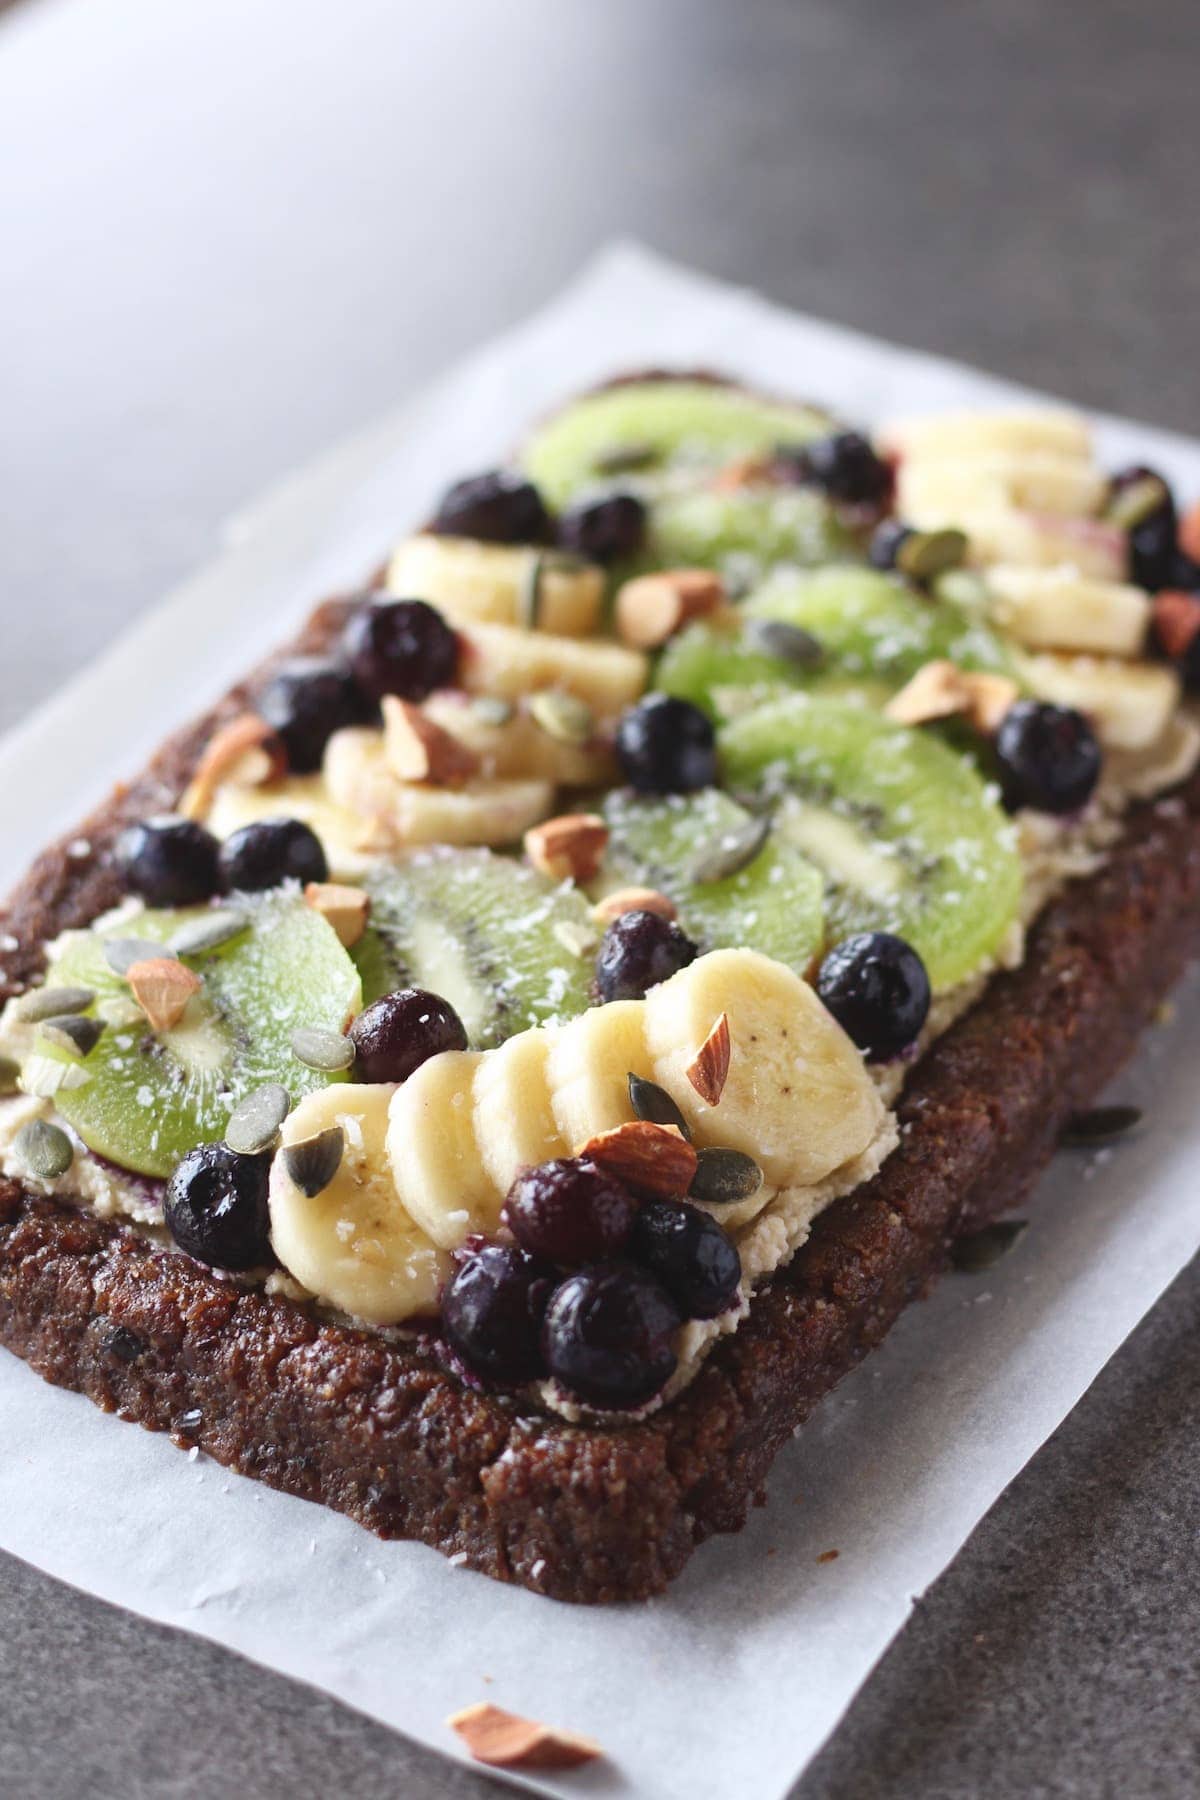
{"type": "Point", "coordinates": [731, 852]}
{"type": "Point", "coordinates": [791, 643]}
{"type": "Point", "coordinates": [208, 932]}
{"type": "Point", "coordinates": [723, 1176]}
{"type": "Point", "coordinates": [983, 1249]}
{"type": "Point", "coordinates": [43, 1149]}
{"type": "Point", "coordinates": [562, 717]}
{"type": "Point", "coordinates": [52, 1002]}
{"type": "Point", "coordinates": [312, 1164]}
{"type": "Point", "coordinates": [120, 953]}
{"type": "Point", "coordinates": [1103, 1125]}
{"type": "Point", "coordinates": [924, 554]}
{"type": "Point", "coordinates": [328, 1051]}
{"type": "Point", "coordinates": [254, 1122]}
{"type": "Point", "coordinates": [72, 1032]}
{"type": "Point", "coordinates": [654, 1104]}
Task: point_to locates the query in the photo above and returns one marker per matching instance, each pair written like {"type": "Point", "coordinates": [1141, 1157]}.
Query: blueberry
{"type": "Point", "coordinates": [492, 1313]}
{"type": "Point", "coordinates": [666, 746]}
{"type": "Point", "coordinates": [271, 851]}
{"type": "Point", "coordinates": [168, 861]}
{"type": "Point", "coordinates": [638, 950]}
{"type": "Point", "coordinates": [607, 1335]}
{"type": "Point", "coordinates": [216, 1207]}
{"type": "Point", "coordinates": [402, 647]}
{"type": "Point", "coordinates": [604, 530]}
{"type": "Point", "coordinates": [845, 467]}
{"type": "Point", "coordinates": [305, 702]}
{"type": "Point", "coordinates": [1049, 757]}
{"type": "Point", "coordinates": [500, 507]}
{"type": "Point", "coordinates": [886, 540]}
{"type": "Point", "coordinates": [570, 1212]}
{"type": "Point", "coordinates": [395, 1035]}
{"type": "Point", "coordinates": [876, 987]}
{"type": "Point", "coordinates": [696, 1261]}
{"type": "Point", "coordinates": [1142, 501]}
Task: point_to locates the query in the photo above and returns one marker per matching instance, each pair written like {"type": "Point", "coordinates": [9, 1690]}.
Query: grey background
{"type": "Point", "coordinates": [232, 230]}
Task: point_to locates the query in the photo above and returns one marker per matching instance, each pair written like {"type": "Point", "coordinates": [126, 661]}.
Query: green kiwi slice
{"type": "Point", "coordinates": [507, 947]}
{"type": "Point", "coordinates": [909, 836]}
{"type": "Point", "coordinates": [719, 669]}
{"type": "Point", "coordinates": [144, 1098]}
{"type": "Point", "coordinates": [733, 881]}
{"type": "Point", "coordinates": [743, 533]}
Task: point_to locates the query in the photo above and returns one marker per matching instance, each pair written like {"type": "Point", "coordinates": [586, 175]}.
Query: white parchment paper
{"type": "Point", "coordinates": [731, 1682]}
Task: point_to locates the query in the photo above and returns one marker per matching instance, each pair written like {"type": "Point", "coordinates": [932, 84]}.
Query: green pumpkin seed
{"type": "Point", "coordinates": [724, 1176]}
{"type": "Point", "coordinates": [654, 1104]}
{"type": "Point", "coordinates": [529, 593]}
{"type": "Point", "coordinates": [983, 1249]}
{"type": "Point", "coordinates": [489, 709]}
{"type": "Point", "coordinates": [72, 1032]}
{"type": "Point", "coordinates": [9, 1071]}
{"type": "Point", "coordinates": [120, 953]}
{"type": "Point", "coordinates": [43, 1150]}
{"type": "Point", "coordinates": [563, 717]}
{"type": "Point", "coordinates": [328, 1051]}
{"type": "Point", "coordinates": [791, 643]}
{"type": "Point", "coordinates": [623, 459]}
{"type": "Point", "coordinates": [924, 554]}
{"type": "Point", "coordinates": [312, 1164]}
{"type": "Point", "coordinates": [731, 853]}
{"type": "Point", "coordinates": [209, 932]}
{"type": "Point", "coordinates": [254, 1123]}
{"type": "Point", "coordinates": [52, 1002]}
{"type": "Point", "coordinates": [1131, 506]}
{"type": "Point", "coordinates": [1102, 1125]}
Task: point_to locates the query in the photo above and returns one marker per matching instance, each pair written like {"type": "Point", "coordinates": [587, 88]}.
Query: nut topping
{"type": "Point", "coordinates": [940, 690]}
{"type": "Point", "coordinates": [709, 1070]}
{"type": "Point", "coordinates": [652, 608]}
{"type": "Point", "coordinates": [162, 987]}
{"type": "Point", "coordinates": [418, 750]}
{"type": "Point", "coordinates": [632, 899]}
{"type": "Point", "coordinates": [569, 848]}
{"type": "Point", "coordinates": [505, 1741]}
{"type": "Point", "coordinates": [244, 752]}
{"type": "Point", "coordinates": [653, 1159]}
{"type": "Point", "coordinates": [345, 908]}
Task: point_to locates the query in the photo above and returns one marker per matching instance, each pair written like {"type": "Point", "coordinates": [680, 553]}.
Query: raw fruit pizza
{"type": "Point", "coordinates": [526, 975]}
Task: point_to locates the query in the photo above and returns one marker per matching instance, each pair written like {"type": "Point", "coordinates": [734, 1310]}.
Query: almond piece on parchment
{"type": "Point", "coordinates": [503, 1740]}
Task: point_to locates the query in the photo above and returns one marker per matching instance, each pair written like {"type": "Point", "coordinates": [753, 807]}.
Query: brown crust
{"type": "Point", "coordinates": [386, 1436]}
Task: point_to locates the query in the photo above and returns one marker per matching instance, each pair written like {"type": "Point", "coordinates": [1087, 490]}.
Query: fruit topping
{"type": "Point", "coordinates": [570, 1212]}
{"type": "Point", "coordinates": [271, 851]}
{"type": "Point", "coordinates": [844, 466]}
{"type": "Point", "coordinates": [216, 1207]}
{"type": "Point", "coordinates": [401, 647]}
{"type": "Point", "coordinates": [605, 530]}
{"type": "Point", "coordinates": [649, 1158]}
{"type": "Point", "coordinates": [638, 950]}
{"type": "Point", "coordinates": [666, 746]}
{"type": "Point", "coordinates": [500, 584]}
{"type": "Point", "coordinates": [169, 861]}
{"type": "Point", "coordinates": [651, 608]}
{"type": "Point", "coordinates": [876, 987]}
{"type": "Point", "coordinates": [1141, 502]}
{"type": "Point", "coordinates": [607, 1335]}
{"type": "Point", "coordinates": [696, 1261]}
{"type": "Point", "coordinates": [396, 1034]}
{"type": "Point", "coordinates": [501, 507]}
{"type": "Point", "coordinates": [1049, 757]}
{"type": "Point", "coordinates": [492, 1311]}
{"type": "Point", "coordinates": [305, 702]}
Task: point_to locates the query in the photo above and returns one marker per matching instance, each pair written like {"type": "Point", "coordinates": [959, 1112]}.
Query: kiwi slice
{"type": "Point", "coordinates": [910, 838]}
{"type": "Point", "coordinates": [743, 533]}
{"type": "Point", "coordinates": [719, 669]}
{"type": "Point", "coordinates": [733, 881]}
{"type": "Point", "coordinates": [507, 947]}
{"type": "Point", "coordinates": [148, 1097]}
{"type": "Point", "coordinates": [641, 429]}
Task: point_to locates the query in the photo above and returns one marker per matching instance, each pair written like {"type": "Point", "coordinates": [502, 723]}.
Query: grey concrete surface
{"type": "Point", "coordinates": [229, 233]}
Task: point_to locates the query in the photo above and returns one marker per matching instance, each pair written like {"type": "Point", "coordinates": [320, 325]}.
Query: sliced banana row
{"type": "Point", "coordinates": [1061, 609]}
{"type": "Point", "coordinates": [474, 583]}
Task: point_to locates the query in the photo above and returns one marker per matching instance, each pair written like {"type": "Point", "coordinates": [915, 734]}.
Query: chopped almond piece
{"type": "Point", "coordinates": [505, 1741]}
{"type": "Point", "coordinates": [346, 908]}
{"type": "Point", "coordinates": [990, 697]}
{"type": "Point", "coordinates": [743, 473]}
{"type": "Point", "coordinates": [244, 752]}
{"type": "Point", "coordinates": [655, 1159]}
{"type": "Point", "coordinates": [569, 848]}
{"type": "Point", "coordinates": [418, 750]}
{"type": "Point", "coordinates": [632, 899]}
{"type": "Point", "coordinates": [1189, 531]}
{"type": "Point", "coordinates": [652, 608]}
{"type": "Point", "coordinates": [1176, 620]}
{"type": "Point", "coordinates": [940, 689]}
{"type": "Point", "coordinates": [162, 987]}
{"type": "Point", "coordinates": [709, 1071]}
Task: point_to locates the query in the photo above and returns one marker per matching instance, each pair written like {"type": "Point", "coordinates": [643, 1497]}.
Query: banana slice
{"type": "Point", "coordinates": [1059, 609]}
{"type": "Point", "coordinates": [1140, 774]}
{"type": "Point", "coordinates": [1035, 480]}
{"type": "Point", "coordinates": [353, 1243]}
{"type": "Point", "coordinates": [499, 584]}
{"type": "Point", "coordinates": [518, 746]}
{"type": "Point", "coordinates": [509, 664]}
{"type": "Point", "coordinates": [589, 1066]}
{"type": "Point", "coordinates": [514, 1121]}
{"type": "Point", "coordinates": [798, 1098]}
{"type": "Point", "coordinates": [1020, 430]}
{"type": "Point", "coordinates": [350, 842]}
{"type": "Point", "coordinates": [1130, 704]}
{"type": "Point", "coordinates": [434, 1153]}
{"type": "Point", "coordinates": [1040, 540]}
{"type": "Point", "coordinates": [389, 813]}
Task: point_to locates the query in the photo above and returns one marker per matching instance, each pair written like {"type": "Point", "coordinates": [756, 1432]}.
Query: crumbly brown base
{"type": "Point", "coordinates": [588, 1514]}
